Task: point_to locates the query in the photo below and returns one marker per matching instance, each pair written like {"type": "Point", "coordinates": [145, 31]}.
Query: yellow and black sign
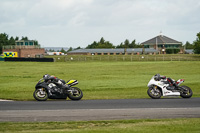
{"type": "Point", "coordinates": [10, 54]}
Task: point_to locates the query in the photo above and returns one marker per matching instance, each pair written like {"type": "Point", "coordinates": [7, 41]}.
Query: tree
{"type": "Point", "coordinates": [36, 42]}
{"type": "Point", "coordinates": [197, 44]}
{"type": "Point", "coordinates": [3, 41]}
{"type": "Point", "coordinates": [70, 49]}
{"type": "Point", "coordinates": [63, 51]}
{"type": "Point", "coordinates": [24, 38]}
{"type": "Point", "coordinates": [101, 44]}
{"type": "Point", "coordinates": [93, 45]}
{"type": "Point", "coordinates": [12, 41]}
{"type": "Point", "coordinates": [16, 38]}
{"type": "Point", "coordinates": [124, 45]}
{"type": "Point", "coordinates": [127, 44]}
{"type": "Point", "coordinates": [77, 48]}
{"type": "Point", "coordinates": [133, 44]}
{"type": "Point", "coordinates": [189, 46]}
{"type": "Point", "coordinates": [102, 41]}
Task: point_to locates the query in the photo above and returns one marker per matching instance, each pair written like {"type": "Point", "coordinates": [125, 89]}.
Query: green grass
{"type": "Point", "coordinates": [98, 80]}
{"type": "Point", "coordinates": [190, 125]}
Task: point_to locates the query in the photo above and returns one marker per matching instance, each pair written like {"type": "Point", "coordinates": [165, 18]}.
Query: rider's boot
{"type": "Point", "coordinates": [175, 84]}
{"type": "Point", "coordinates": [65, 86]}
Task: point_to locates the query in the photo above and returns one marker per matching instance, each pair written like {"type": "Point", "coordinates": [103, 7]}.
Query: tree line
{"type": "Point", "coordinates": [106, 44]}
{"type": "Point", "coordinates": [6, 40]}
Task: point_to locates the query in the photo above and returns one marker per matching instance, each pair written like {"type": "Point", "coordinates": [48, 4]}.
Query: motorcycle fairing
{"type": "Point", "coordinates": [72, 82]}
{"type": "Point", "coordinates": [162, 87]}
{"type": "Point", "coordinates": [42, 85]}
{"type": "Point", "coordinates": [178, 82]}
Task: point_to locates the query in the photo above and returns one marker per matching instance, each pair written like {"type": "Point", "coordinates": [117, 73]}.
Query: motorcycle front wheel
{"type": "Point", "coordinates": [40, 94]}
{"type": "Point", "coordinates": [154, 92]}
{"type": "Point", "coordinates": [188, 93]}
{"type": "Point", "coordinates": [75, 93]}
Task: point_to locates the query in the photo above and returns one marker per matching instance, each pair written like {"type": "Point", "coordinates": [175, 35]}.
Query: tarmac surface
{"type": "Point", "coordinates": [84, 110]}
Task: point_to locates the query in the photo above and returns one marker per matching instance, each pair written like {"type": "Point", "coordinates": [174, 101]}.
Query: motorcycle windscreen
{"type": "Point", "coordinates": [72, 82]}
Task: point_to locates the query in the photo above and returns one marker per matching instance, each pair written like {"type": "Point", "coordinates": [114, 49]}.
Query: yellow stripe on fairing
{"type": "Point", "coordinates": [71, 81]}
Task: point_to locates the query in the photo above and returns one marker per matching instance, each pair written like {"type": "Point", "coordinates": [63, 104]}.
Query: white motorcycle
{"type": "Point", "coordinates": [162, 86]}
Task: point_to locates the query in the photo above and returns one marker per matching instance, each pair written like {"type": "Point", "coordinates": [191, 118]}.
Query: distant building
{"type": "Point", "coordinates": [161, 43]}
{"type": "Point", "coordinates": [24, 49]}
{"type": "Point", "coordinates": [55, 53]}
{"type": "Point", "coordinates": [55, 49]}
{"type": "Point", "coordinates": [24, 43]}
{"type": "Point", "coordinates": [118, 51]}
{"type": "Point", "coordinates": [189, 51]}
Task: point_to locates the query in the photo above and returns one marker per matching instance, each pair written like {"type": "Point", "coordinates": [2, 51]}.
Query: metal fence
{"type": "Point", "coordinates": [129, 58]}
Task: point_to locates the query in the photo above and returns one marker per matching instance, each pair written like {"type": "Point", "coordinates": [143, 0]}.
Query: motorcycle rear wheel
{"type": "Point", "coordinates": [188, 94]}
{"type": "Point", "coordinates": [40, 94]}
{"type": "Point", "coordinates": [75, 94]}
{"type": "Point", "coordinates": [154, 93]}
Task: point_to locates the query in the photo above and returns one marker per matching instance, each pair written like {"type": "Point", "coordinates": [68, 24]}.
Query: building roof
{"type": "Point", "coordinates": [97, 51]}
{"type": "Point", "coordinates": [118, 50]}
{"type": "Point", "coordinates": [24, 40]}
{"type": "Point", "coordinates": [161, 39]}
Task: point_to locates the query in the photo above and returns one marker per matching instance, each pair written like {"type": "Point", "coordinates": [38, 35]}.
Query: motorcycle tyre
{"type": "Point", "coordinates": [153, 97]}
{"type": "Point", "coordinates": [184, 95]}
{"type": "Point", "coordinates": [39, 99]}
{"type": "Point", "coordinates": [76, 98]}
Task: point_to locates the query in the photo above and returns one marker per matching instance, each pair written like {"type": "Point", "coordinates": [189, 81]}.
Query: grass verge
{"type": "Point", "coordinates": [189, 125]}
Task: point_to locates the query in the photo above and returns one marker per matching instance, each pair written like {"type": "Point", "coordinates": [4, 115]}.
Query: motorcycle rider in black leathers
{"type": "Point", "coordinates": [55, 80]}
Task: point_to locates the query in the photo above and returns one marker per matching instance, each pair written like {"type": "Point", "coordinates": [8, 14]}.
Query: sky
{"type": "Point", "coordinates": [74, 23]}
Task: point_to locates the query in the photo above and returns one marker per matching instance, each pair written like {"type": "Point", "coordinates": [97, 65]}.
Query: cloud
{"type": "Point", "coordinates": [80, 22]}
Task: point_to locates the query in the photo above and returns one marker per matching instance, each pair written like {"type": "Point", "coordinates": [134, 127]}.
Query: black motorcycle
{"type": "Point", "coordinates": [45, 89]}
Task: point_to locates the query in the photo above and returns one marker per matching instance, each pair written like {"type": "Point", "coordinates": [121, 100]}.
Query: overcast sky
{"type": "Point", "coordinates": [73, 23]}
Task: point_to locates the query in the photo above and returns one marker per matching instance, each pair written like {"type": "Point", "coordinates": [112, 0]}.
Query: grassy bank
{"type": "Point", "coordinates": [121, 126]}
{"type": "Point", "coordinates": [98, 80]}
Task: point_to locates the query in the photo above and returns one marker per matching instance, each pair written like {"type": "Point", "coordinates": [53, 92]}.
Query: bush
{"type": "Point", "coordinates": [172, 51]}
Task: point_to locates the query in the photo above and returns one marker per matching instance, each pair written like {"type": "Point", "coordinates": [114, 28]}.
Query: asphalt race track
{"type": "Point", "coordinates": [66, 110]}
